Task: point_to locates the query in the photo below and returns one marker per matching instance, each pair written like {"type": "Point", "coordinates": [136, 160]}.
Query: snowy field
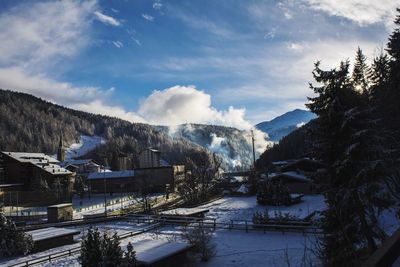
{"type": "Point", "coordinates": [234, 248]}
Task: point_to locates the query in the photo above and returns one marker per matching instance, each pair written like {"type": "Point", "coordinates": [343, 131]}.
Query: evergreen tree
{"type": "Point", "coordinates": [12, 241]}
{"type": "Point", "coordinates": [129, 256]}
{"type": "Point", "coordinates": [360, 72]}
{"type": "Point", "coordinates": [111, 251]}
{"type": "Point", "coordinates": [346, 140]}
{"type": "Point", "coordinates": [91, 254]}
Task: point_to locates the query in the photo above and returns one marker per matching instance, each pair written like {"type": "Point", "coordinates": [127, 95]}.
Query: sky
{"type": "Point", "coordinates": [165, 62]}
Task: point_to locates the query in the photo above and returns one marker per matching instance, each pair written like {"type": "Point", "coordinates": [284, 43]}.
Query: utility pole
{"type": "Point", "coordinates": [105, 186]}
{"type": "Point", "coordinates": [254, 152]}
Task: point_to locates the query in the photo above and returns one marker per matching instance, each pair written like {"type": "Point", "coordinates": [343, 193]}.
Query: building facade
{"type": "Point", "coordinates": [40, 179]}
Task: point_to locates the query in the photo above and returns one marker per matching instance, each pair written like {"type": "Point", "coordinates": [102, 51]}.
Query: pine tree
{"type": "Point", "coordinates": [347, 141]}
{"type": "Point", "coordinates": [129, 256]}
{"type": "Point", "coordinates": [12, 241]}
{"type": "Point", "coordinates": [111, 251]}
{"type": "Point", "coordinates": [91, 254]}
{"type": "Point", "coordinates": [360, 72]}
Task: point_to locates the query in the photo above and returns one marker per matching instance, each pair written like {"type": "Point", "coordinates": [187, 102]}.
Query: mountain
{"type": "Point", "coordinates": [285, 124]}
{"type": "Point", "coordinates": [28, 123]}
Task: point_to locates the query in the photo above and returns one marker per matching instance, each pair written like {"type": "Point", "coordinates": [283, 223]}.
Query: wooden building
{"type": "Point", "coordinates": [161, 253]}
{"type": "Point", "coordinates": [82, 167]}
{"type": "Point", "coordinates": [60, 213]}
{"type": "Point", "coordinates": [149, 179]}
{"type": "Point", "coordinates": [112, 181]}
{"type": "Point", "coordinates": [296, 182]}
{"type": "Point", "coordinates": [42, 181]}
{"type": "Point", "coordinates": [52, 237]}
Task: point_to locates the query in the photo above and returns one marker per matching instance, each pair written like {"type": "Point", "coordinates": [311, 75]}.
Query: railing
{"type": "Point", "coordinates": [247, 226]}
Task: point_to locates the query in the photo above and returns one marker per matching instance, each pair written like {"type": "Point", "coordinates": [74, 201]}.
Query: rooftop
{"type": "Point", "coordinates": [51, 232]}
{"type": "Point", "coordinates": [150, 251]}
{"type": "Point", "coordinates": [111, 175]}
{"type": "Point", "coordinates": [40, 160]}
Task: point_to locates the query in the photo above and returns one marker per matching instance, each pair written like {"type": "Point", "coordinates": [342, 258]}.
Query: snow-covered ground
{"type": "Point", "coordinates": [86, 144]}
{"type": "Point", "coordinates": [236, 248]}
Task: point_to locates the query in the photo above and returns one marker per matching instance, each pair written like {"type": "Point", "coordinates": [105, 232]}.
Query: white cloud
{"type": "Point", "coordinates": [107, 19]}
{"type": "Point", "coordinates": [32, 34]}
{"type": "Point", "coordinates": [363, 12]}
{"type": "Point", "coordinates": [118, 44]}
{"type": "Point", "coordinates": [148, 17]}
{"type": "Point", "coordinates": [100, 107]}
{"type": "Point", "coordinates": [157, 5]}
{"type": "Point", "coordinates": [31, 43]}
{"type": "Point", "coordinates": [186, 104]}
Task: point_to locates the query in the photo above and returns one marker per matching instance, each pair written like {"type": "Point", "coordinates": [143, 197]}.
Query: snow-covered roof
{"type": "Point", "coordinates": [51, 232]}
{"type": "Point", "coordinates": [184, 211]}
{"type": "Point", "coordinates": [150, 251]}
{"type": "Point", "coordinates": [297, 175]}
{"type": "Point", "coordinates": [75, 162]}
{"type": "Point", "coordinates": [292, 174]}
{"type": "Point", "coordinates": [280, 162]}
{"type": "Point", "coordinates": [111, 174]}
{"type": "Point", "coordinates": [63, 205]}
{"type": "Point", "coordinates": [40, 160]}
{"type": "Point", "coordinates": [31, 157]}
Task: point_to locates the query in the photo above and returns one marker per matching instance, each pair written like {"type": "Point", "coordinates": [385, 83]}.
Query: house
{"type": "Point", "coordinates": [295, 181]}
{"type": "Point", "coordinates": [150, 179]}
{"type": "Point", "coordinates": [82, 167]}
{"type": "Point", "coordinates": [161, 253]}
{"type": "Point", "coordinates": [304, 165]}
{"type": "Point", "coordinates": [52, 237]}
{"type": "Point", "coordinates": [112, 181]}
{"type": "Point", "coordinates": [40, 179]}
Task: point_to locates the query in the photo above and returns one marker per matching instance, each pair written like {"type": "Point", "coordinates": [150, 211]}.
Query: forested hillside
{"type": "Point", "coordinates": [28, 123]}
{"type": "Point", "coordinates": [295, 145]}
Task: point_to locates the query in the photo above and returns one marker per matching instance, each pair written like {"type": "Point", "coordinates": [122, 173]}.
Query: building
{"type": "Point", "coordinates": [161, 253]}
{"type": "Point", "coordinates": [82, 167]}
{"type": "Point", "coordinates": [303, 165]}
{"type": "Point", "coordinates": [296, 182]}
{"type": "Point", "coordinates": [156, 179]}
{"type": "Point", "coordinates": [40, 179]}
{"type": "Point", "coordinates": [52, 237]}
{"type": "Point", "coordinates": [60, 213]}
{"type": "Point", "coordinates": [149, 179]}
{"type": "Point", "coordinates": [150, 158]}
{"type": "Point", "coordinates": [112, 181]}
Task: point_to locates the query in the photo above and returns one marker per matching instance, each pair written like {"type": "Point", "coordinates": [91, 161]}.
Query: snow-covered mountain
{"type": "Point", "coordinates": [285, 124]}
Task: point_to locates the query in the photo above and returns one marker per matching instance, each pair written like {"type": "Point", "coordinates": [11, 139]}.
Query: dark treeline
{"type": "Point", "coordinates": [294, 145]}
{"type": "Point", "coordinates": [357, 136]}
{"type": "Point", "coordinates": [30, 124]}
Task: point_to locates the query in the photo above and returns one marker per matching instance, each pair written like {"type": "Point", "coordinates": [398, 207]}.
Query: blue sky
{"type": "Point", "coordinates": [232, 63]}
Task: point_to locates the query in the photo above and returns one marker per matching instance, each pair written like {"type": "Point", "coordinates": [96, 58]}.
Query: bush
{"type": "Point", "coordinates": [12, 241]}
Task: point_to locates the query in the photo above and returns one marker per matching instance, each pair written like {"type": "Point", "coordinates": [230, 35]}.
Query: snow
{"type": "Point", "coordinates": [243, 189]}
{"type": "Point", "coordinates": [149, 251]}
{"type": "Point", "coordinates": [86, 144]}
{"type": "Point", "coordinates": [243, 208]}
{"type": "Point", "coordinates": [234, 248]}
{"type": "Point", "coordinates": [184, 211]}
{"type": "Point", "coordinates": [51, 232]}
